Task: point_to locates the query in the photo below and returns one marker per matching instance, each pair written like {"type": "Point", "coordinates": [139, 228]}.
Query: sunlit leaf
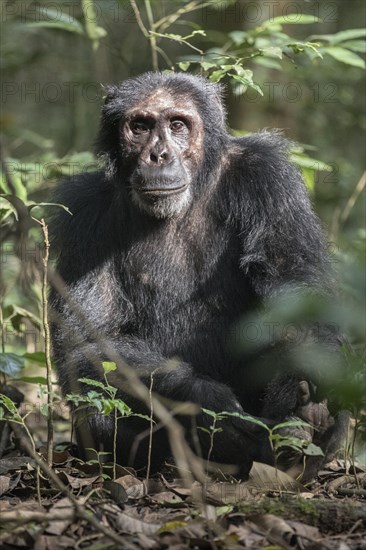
{"type": "Point", "coordinates": [109, 366]}
{"type": "Point", "coordinates": [345, 56]}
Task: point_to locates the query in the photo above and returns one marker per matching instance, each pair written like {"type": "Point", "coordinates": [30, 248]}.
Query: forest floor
{"type": "Point", "coordinates": [75, 505]}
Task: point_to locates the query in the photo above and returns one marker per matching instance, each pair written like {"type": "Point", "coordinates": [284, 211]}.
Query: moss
{"type": "Point", "coordinates": [283, 506]}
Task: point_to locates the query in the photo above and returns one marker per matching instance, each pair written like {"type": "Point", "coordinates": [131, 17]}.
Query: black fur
{"type": "Point", "coordinates": [174, 287]}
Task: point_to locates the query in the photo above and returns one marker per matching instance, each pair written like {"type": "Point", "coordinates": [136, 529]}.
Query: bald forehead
{"type": "Point", "coordinates": [161, 101]}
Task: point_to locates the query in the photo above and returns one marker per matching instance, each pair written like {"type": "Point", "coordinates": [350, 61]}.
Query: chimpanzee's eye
{"type": "Point", "coordinates": [139, 127]}
{"type": "Point", "coordinates": [177, 125]}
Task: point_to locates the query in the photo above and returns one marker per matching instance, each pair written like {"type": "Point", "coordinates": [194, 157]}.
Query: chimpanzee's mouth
{"type": "Point", "coordinates": [163, 190]}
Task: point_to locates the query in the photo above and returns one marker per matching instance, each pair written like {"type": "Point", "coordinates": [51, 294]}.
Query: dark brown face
{"type": "Point", "coordinates": [163, 140]}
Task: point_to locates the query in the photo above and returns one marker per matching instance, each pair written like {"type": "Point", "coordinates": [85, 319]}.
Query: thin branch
{"type": "Point", "coordinates": [2, 328]}
{"type": "Point", "coordinates": [180, 40]}
{"type": "Point", "coordinates": [79, 508]}
{"type": "Point", "coordinates": [139, 20]}
{"type": "Point", "coordinates": [152, 38]}
{"type": "Point", "coordinates": [170, 19]}
{"type": "Point", "coordinates": [47, 340]}
{"type": "Point", "coordinates": [166, 58]}
{"type": "Point", "coordinates": [151, 427]}
{"type": "Point", "coordinates": [353, 198]}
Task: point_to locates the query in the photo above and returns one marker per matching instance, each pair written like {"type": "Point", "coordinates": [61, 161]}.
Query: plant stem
{"type": "Point", "coordinates": [151, 426]}
{"type": "Point", "coordinates": [152, 38]}
{"type": "Point", "coordinates": [47, 340]}
{"type": "Point", "coordinates": [115, 443]}
{"type": "Point", "coordinates": [2, 330]}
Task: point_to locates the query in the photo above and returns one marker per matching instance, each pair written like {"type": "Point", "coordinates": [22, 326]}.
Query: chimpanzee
{"type": "Point", "coordinates": [184, 232]}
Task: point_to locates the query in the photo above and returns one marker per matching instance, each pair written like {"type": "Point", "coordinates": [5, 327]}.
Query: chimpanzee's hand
{"type": "Point", "coordinates": [316, 414]}
{"type": "Point", "coordinates": [229, 438]}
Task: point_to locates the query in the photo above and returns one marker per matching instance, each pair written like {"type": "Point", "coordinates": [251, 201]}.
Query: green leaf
{"type": "Point", "coordinates": [206, 66]}
{"type": "Point", "coordinates": [122, 407]}
{"type": "Point", "coordinates": [210, 413]}
{"type": "Point", "coordinates": [19, 187]}
{"type": "Point", "coordinates": [290, 423]}
{"type": "Point", "coordinates": [238, 37]}
{"type": "Point", "coordinates": [309, 177]}
{"type": "Point", "coordinates": [109, 366]}
{"type": "Point", "coordinates": [108, 406]}
{"type": "Point", "coordinates": [16, 314]}
{"type": "Point", "coordinates": [310, 163]}
{"type": "Point", "coordinates": [248, 418]}
{"type": "Point", "coordinates": [92, 382]}
{"type": "Point", "coordinates": [184, 65]}
{"type": "Point", "coordinates": [345, 56]}
{"type": "Point", "coordinates": [216, 76]}
{"type": "Point", "coordinates": [143, 416]}
{"type": "Point", "coordinates": [247, 82]}
{"type": "Point", "coordinates": [340, 36]}
{"type": "Point", "coordinates": [60, 21]}
{"type": "Point", "coordinates": [313, 450]}
{"type": "Point", "coordinates": [355, 45]}
{"type": "Point", "coordinates": [299, 47]}
{"type": "Point", "coordinates": [291, 19]}
{"type": "Point", "coordinates": [9, 404]}
{"type": "Point", "coordinates": [267, 62]}
{"type": "Point", "coordinates": [42, 204]}
{"type": "Point", "coordinates": [272, 51]}
{"type": "Point", "coordinates": [44, 409]}
{"type": "Point", "coordinates": [11, 364]}
{"type": "Point", "coordinates": [38, 357]}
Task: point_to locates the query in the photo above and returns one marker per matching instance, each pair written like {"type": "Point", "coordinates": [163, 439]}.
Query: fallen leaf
{"type": "Point", "coordinates": [307, 532]}
{"type": "Point", "coordinates": [58, 527]}
{"type": "Point", "coordinates": [4, 484]}
{"type": "Point", "coordinates": [76, 482]}
{"type": "Point", "coordinates": [117, 491]}
{"type": "Point", "coordinates": [167, 498]}
{"type": "Point", "coordinates": [266, 478]}
{"type": "Point", "coordinates": [129, 524]}
{"type": "Point", "coordinates": [58, 457]}
{"type": "Point", "coordinates": [134, 488]}
{"type": "Point", "coordinates": [8, 484]}
{"type": "Point", "coordinates": [15, 463]}
{"type": "Point", "coordinates": [275, 529]}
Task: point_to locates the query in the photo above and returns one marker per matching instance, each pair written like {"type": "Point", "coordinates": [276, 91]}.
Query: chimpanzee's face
{"type": "Point", "coordinates": [162, 139]}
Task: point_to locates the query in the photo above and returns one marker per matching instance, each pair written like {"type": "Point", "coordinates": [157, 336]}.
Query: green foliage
{"type": "Point", "coordinates": [105, 400]}
{"type": "Point", "coordinates": [342, 46]}
{"type": "Point", "coordinates": [279, 442]}
{"type": "Point", "coordinates": [266, 45]}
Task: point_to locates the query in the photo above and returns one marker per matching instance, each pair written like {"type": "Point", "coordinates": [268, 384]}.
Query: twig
{"type": "Point", "coordinates": [145, 31]}
{"type": "Point", "coordinates": [168, 20]}
{"type": "Point", "coordinates": [79, 510]}
{"type": "Point", "coordinates": [47, 340]}
{"type": "Point", "coordinates": [139, 20]}
{"type": "Point", "coordinates": [353, 198]}
{"type": "Point", "coordinates": [22, 432]}
{"type": "Point", "coordinates": [2, 328]}
{"type": "Point", "coordinates": [152, 38]}
{"type": "Point", "coordinates": [21, 516]}
{"type": "Point", "coordinates": [151, 427]}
